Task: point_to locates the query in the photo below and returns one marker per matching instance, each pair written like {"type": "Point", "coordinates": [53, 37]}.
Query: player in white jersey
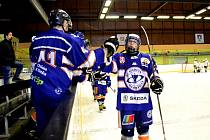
{"type": "Point", "coordinates": [206, 64]}
{"type": "Point", "coordinates": [196, 66]}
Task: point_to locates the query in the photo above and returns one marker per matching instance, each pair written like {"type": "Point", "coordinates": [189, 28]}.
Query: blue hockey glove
{"type": "Point", "coordinates": [157, 85]}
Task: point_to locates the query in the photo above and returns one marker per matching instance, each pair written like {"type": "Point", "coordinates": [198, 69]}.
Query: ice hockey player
{"type": "Point", "coordinates": [53, 53]}
{"type": "Point", "coordinates": [102, 82]}
{"type": "Point", "coordinates": [206, 64]}
{"type": "Point", "coordinates": [78, 75]}
{"type": "Point", "coordinates": [137, 74]}
{"type": "Point", "coordinates": [196, 65]}
{"type": "Point", "coordinates": [93, 84]}
{"type": "Point", "coordinates": [98, 77]}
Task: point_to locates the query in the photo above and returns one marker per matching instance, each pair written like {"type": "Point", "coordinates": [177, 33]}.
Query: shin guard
{"type": "Point", "coordinates": [126, 138]}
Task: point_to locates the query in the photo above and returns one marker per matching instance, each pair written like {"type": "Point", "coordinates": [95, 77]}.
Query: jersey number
{"type": "Point", "coordinates": [50, 57]}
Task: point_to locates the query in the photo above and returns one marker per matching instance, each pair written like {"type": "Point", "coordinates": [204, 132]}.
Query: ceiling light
{"type": "Point", "coordinates": [112, 17]}
{"type": "Point", "coordinates": [190, 16]}
{"type": "Point", "coordinates": [130, 17]}
{"type": "Point", "coordinates": [207, 18]}
{"type": "Point", "coordinates": [102, 16]}
{"type": "Point", "coordinates": [147, 18]}
{"type": "Point", "coordinates": [105, 9]}
{"type": "Point", "coordinates": [201, 11]}
{"type": "Point", "coordinates": [163, 17]}
{"type": "Point", "coordinates": [178, 17]}
{"type": "Point", "coordinates": [195, 17]}
{"type": "Point", "coordinates": [107, 3]}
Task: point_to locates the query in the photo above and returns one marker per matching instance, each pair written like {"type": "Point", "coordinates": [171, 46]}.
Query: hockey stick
{"type": "Point", "coordinates": [161, 116]}
{"type": "Point", "coordinates": [112, 89]}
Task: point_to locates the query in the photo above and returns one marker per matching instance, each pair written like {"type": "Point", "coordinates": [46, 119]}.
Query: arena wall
{"type": "Point", "coordinates": [154, 48]}
{"type": "Point", "coordinates": [178, 47]}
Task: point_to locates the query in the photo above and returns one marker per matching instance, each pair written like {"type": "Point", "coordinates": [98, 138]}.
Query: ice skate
{"type": "Point", "coordinates": [101, 107]}
{"type": "Point", "coordinates": [104, 107]}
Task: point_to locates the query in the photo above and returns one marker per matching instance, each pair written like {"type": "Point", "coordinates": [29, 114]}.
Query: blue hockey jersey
{"type": "Point", "coordinates": [61, 53]}
{"type": "Point", "coordinates": [134, 75]}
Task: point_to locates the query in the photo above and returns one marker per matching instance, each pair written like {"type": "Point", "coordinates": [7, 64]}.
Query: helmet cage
{"type": "Point", "coordinates": [135, 38]}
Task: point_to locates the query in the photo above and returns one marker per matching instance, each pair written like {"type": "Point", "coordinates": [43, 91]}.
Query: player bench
{"type": "Point", "coordinates": [13, 97]}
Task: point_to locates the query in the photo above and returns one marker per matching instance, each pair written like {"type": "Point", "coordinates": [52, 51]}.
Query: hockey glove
{"type": "Point", "coordinates": [111, 44]}
{"type": "Point", "coordinates": [99, 75]}
{"type": "Point", "coordinates": [85, 70]}
{"type": "Point", "coordinates": [157, 85]}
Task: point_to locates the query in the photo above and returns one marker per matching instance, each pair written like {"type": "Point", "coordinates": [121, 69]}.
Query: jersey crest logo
{"type": "Point", "coordinates": [58, 90]}
{"type": "Point", "coordinates": [125, 98]}
{"type": "Point", "coordinates": [134, 78]}
{"type": "Point", "coordinates": [122, 60]}
{"type": "Point", "coordinates": [145, 62]}
{"type": "Point", "coordinates": [149, 114]}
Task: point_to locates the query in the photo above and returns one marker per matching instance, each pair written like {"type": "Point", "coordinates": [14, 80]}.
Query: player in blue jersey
{"type": "Point", "coordinates": [137, 74]}
{"type": "Point", "coordinates": [102, 82]}
{"type": "Point", "coordinates": [54, 55]}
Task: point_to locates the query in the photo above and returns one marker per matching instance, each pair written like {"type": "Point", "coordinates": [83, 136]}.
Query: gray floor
{"type": "Point", "coordinates": [185, 108]}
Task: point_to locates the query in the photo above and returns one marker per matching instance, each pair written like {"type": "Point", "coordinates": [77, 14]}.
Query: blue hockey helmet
{"type": "Point", "coordinates": [134, 38]}
{"type": "Point", "coordinates": [58, 16]}
{"type": "Point", "coordinates": [80, 34]}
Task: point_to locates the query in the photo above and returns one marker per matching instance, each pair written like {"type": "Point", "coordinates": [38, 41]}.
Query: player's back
{"type": "Point", "coordinates": [51, 46]}
{"type": "Point", "coordinates": [49, 53]}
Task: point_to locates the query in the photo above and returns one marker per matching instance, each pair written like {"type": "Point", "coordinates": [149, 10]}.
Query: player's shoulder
{"type": "Point", "coordinates": [145, 55]}
{"type": "Point", "coordinates": [54, 33]}
{"type": "Point", "coordinates": [118, 54]}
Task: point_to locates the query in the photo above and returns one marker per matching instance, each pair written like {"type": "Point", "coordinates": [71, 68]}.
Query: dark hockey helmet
{"type": "Point", "coordinates": [115, 41]}
{"type": "Point", "coordinates": [135, 38]}
{"type": "Point", "coordinates": [112, 45]}
{"type": "Point", "coordinates": [58, 16]}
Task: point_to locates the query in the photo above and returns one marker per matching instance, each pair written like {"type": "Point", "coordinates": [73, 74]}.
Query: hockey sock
{"type": "Point", "coordinates": [143, 137]}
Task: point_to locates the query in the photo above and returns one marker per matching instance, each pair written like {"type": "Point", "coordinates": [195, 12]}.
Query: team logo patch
{"type": "Point", "coordinates": [145, 62]}
{"type": "Point", "coordinates": [134, 78]}
{"type": "Point", "coordinates": [149, 114]}
{"type": "Point", "coordinates": [128, 119]}
{"type": "Point", "coordinates": [37, 80]}
{"type": "Point", "coordinates": [134, 98]}
{"type": "Point", "coordinates": [58, 90]}
{"type": "Point", "coordinates": [125, 98]}
{"type": "Point", "coordinates": [122, 60]}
